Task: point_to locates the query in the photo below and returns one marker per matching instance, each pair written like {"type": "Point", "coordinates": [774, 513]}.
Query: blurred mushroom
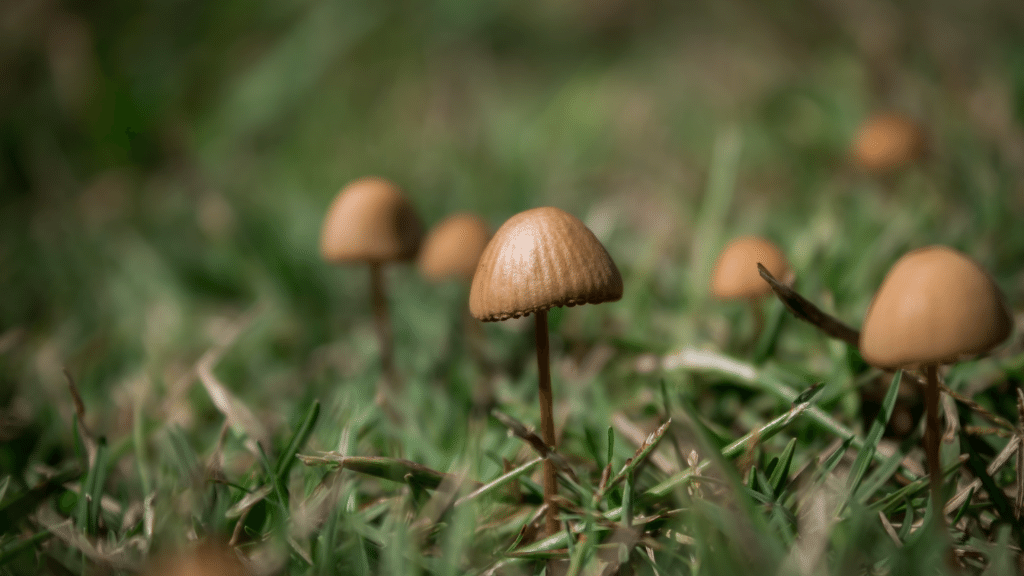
{"type": "Point", "coordinates": [371, 221]}
{"type": "Point", "coordinates": [451, 251]}
{"type": "Point", "coordinates": [539, 259]}
{"type": "Point", "coordinates": [206, 559]}
{"type": "Point", "coordinates": [935, 306]}
{"type": "Point", "coordinates": [736, 276]}
{"type": "Point", "coordinates": [452, 248]}
{"type": "Point", "coordinates": [887, 142]}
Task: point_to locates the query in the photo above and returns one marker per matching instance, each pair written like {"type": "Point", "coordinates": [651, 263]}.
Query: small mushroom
{"type": "Point", "coordinates": [370, 221]}
{"type": "Point", "coordinates": [451, 251]}
{"type": "Point", "coordinates": [453, 247]}
{"type": "Point", "coordinates": [935, 306]}
{"type": "Point", "coordinates": [887, 142]}
{"type": "Point", "coordinates": [205, 559]}
{"type": "Point", "coordinates": [539, 259]}
{"type": "Point", "coordinates": [735, 276]}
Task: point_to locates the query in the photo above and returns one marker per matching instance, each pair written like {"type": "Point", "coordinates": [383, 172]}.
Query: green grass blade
{"type": "Point", "coordinates": [98, 479]}
{"type": "Point", "coordinates": [781, 472]}
{"type": "Point", "coordinates": [8, 552]}
{"type": "Point", "coordinates": [765, 432]}
{"type": "Point", "coordinates": [867, 451]}
{"type": "Point", "coordinates": [498, 482]}
{"type": "Point", "coordinates": [298, 439]}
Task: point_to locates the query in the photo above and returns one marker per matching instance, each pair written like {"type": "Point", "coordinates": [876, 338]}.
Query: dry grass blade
{"type": "Point", "coordinates": [1019, 481]}
{"type": "Point", "coordinates": [735, 448]}
{"type": "Point", "coordinates": [641, 455]}
{"type": "Point", "coordinates": [520, 430]}
{"type": "Point", "coordinates": [1012, 447]}
{"type": "Point", "coordinates": [237, 414]}
{"type": "Point", "coordinates": [83, 432]}
{"type": "Point", "coordinates": [498, 482]}
{"type": "Point", "coordinates": [808, 312]}
{"type": "Point", "coordinates": [635, 434]}
{"type": "Point", "coordinates": [890, 530]}
{"type": "Point", "coordinates": [394, 469]}
{"type": "Point", "coordinates": [99, 550]}
{"type": "Point", "coordinates": [981, 410]}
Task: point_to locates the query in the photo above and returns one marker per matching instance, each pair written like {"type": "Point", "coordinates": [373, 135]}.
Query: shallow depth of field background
{"type": "Point", "coordinates": [165, 166]}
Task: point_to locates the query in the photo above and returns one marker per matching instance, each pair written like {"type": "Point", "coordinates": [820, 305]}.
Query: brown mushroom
{"type": "Point", "coordinates": [453, 247]}
{"type": "Point", "coordinates": [452, 250]}
{"type": "Point", "coordinates": [205, 559]}
{"type": "Point", "coordinates": [539, 259]}
{"type": "Point", "coordinates": [935, 306]}
{"type": "Point", "coordinates": [887, 142]}
{"type": "Point", "coordinates": [371, 221]}
{"type": "Point", "coordinates": [736, 277]}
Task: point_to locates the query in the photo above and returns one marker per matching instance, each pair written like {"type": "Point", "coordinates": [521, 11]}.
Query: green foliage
{"type": "Point", "coordinates": [164, 168]}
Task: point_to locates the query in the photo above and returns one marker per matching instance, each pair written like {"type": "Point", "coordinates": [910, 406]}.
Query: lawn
{"type": "Point", "coordinates": [180, 367]}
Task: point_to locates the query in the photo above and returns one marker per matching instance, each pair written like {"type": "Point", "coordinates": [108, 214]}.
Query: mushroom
{"type": "Point", "coordinates": [887, 142]}
{"type": "Point", "coordinates": [735, 276]}
{"type": "Point", "coordinates": [453, 247]}
{"type": "Point", "coordinates": [935, 306]}
{"type": "Point", "coordinates": [539, 259]}
{"type": "Point", "coordinates": [452, 250]}
{"type": "Point", "coordinates": [371, 221]}
{"type": "Point", "coordinates": [205, 559]}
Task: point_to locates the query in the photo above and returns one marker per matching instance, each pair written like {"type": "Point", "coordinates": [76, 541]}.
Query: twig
{"type": "Point", "coordinates": [808, 312]}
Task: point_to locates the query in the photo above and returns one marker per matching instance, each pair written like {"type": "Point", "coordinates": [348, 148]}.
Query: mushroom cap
{"type": "Point", "coordinates": [935, 306]}
{"type": "Point", "coordinates": [539, 259]}
{"type": "Point", "coordinates": [887, 142]}
{"type": "Point", "coordinates": [453, 248]}
{"type": "Point", "coordinates": [735, 275]}
{"type": "Point", "coordinates": [370, 220]}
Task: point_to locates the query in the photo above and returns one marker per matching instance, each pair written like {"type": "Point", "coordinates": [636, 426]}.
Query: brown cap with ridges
{"type": "Point", "coordinates": [935, 306]}
{"type": "Point", "coordinates": [736, 275]}
{"type": "Point", "coordinates": [539, 259]}
{"type": "Point", "coordinates": [453, 247]}
{"type": "Point", "coordinates": [370, 220]}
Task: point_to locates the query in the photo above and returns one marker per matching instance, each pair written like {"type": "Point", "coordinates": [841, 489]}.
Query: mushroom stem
{"type": "Point", "coordinates": [931, 441]}
{"type": "Point", "coordinates": [547, 418]}
{"type": "Point", "coordinates": [757, 310]}
{"type": "Point", "coordinates": [383, 326]}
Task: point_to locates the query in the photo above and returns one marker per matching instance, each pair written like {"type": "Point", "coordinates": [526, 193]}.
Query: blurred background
{"type": "Point", "coordinates": [165, 165]}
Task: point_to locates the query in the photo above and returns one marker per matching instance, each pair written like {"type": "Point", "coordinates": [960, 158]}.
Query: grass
{"type": "Point", "coordinates": [161, 191]}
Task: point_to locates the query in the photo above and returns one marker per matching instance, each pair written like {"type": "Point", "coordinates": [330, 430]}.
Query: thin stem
{"type": "Point", "coordinates": [382, 324]}
{"type": "Point", "coordinates": [931, 441]}
{"type": "Point", "coordinates": [547, 419]}
{"type": "Point", "coordinates": [757, 310]}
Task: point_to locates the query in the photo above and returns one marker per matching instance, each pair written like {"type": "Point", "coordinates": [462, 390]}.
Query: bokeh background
{"type": "Point", "coordinates": [165, 166]}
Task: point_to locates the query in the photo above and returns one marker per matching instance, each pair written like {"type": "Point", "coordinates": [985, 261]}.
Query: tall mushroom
{"type": "Point", "coordinates": [539, 259]}
{"type": "Point", "coordinates": [736, 277]}
{"type": "Point", "coordinates": [370, 221]}
{"type": "Point", "coordinates": [935, 306]}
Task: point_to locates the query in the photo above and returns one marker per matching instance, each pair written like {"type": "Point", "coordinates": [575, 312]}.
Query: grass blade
{"type": "Point", "coordinates": [867, 451]}
{"type": "Point", "coordinates": [499, 481]}
{"type": "Point", "coordinates": [298, 439]}
{"type": "Point", "coordinates": [781, 472]}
